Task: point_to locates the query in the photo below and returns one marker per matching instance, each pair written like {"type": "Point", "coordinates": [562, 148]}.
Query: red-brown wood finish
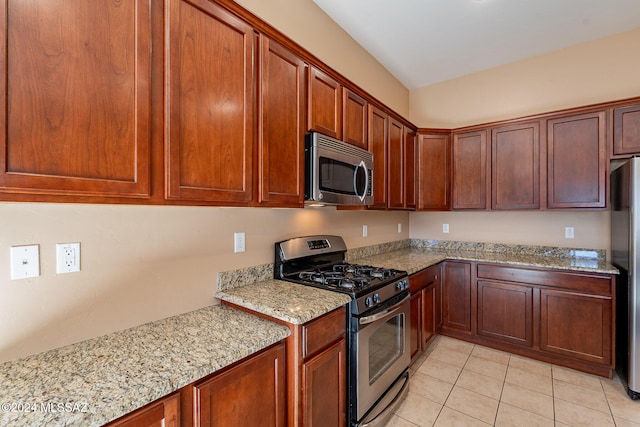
{"type": "Point", "coordinates": [428, 324]}
{"type": "Point", "coordinates": [415, 325]}
{"type": "Point", "coordinates": [409, 170]}
{"type": "Point", "coordinates": [395, 171]}
{"type": "Point", "coordinates": [378, 122]}
{"type": "Point", "coordinates": [251, 393]}
{"type": "Point", "coordinates": [324, 112]}
{"type": "Point", "coordinates": [426, 301]}
{"type": "Point", "coordinates": [282, 126]}
{"type": "Point", "coordinates": [162, 413]}
{"type": "Point", "coordinates": [210, 104]}
{"type": "Point", "coordinates": [434, 171]}
{"type": "Point", "coordinates": [626, 130]}
{"type": "Point", "coordinates": [324, 394]}
{"type": "Point", "coordinates": [470, 164]}
{"type": "Point", "coordinates": [515, 166]}
{"type": "Point", "coordinates": [505, 312]}
{"type": "Point", "coordinates": [354, 119]}
{"type": "Point", "coordinates": [577, 159]}
{"type": "Point", "coordinates": [456, 296]}
{"type": "Point", "coordinates": [76, 110]}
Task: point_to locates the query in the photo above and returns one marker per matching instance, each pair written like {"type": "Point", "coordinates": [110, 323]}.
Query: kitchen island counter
{"type": "Point", "coordinates": [99, 380]}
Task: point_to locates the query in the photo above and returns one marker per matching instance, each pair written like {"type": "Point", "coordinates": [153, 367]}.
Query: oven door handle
{"type": "Point", "coordinates": [370, 319]}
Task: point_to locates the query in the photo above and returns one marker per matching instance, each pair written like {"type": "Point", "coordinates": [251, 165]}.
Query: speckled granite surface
{"type": "Point", "coordinates": [104, 378]}
{"type": "Point", "coordinates": [289, 302]}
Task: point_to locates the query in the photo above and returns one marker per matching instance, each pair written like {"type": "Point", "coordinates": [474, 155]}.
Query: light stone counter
{"type": "Point", "coordinates": [104, 378]}
{"type": "Point", "coordinates": [289, 302]}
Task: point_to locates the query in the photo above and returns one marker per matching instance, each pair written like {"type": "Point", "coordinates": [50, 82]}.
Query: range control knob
{"type": "Point", "coordinates": [400, 285]}
{"type": "Point", "coordinates": [368, 302]}
{"type": "Point", "coordinates": [406, 284]}
{"type": "Point", "coordinates": [376, 298]}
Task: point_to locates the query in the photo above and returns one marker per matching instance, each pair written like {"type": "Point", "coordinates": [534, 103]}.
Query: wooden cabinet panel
{"type": "Point", "coordinates": [515, 167]}
{"type": "Point", "coordinates": [456, 298]}
{"type": "Point", "coordinates": [576, 325]}
{"type": "Point", "coordinates": [428, 326]}
{"type": "Point", "coordinates": [76, 93]}
{"type": "Point", "coordinates": [324, 392]}
{"type": "Point", "coordinates": [251, 393]}
{"type": "Point", "coordinates": [325, 104]}
{"type": "Point", "coordinates": [396, 164]}
{"type": "Point", "coordinates": [320, 333]}
{"type": "Point", "coordinates": [434, 182]}
{"type": "Point", "coordinates": [281, 138]}
{"type": "Point", "coordinates": [577, 158]}
{"type": "Point", "coordinates": [163, 413]}
{"type": "Point", "coordinates": [505, 312]}
{"type": "Point", "coordinates": [409, 169]}
{"type": "Point", "coordinates": [210, 103]}
{"type": "Point", "coordinates": [626, 130]}
{"type": "Point", "coordinates": [354, 119]}
{"type": "Point", "coordinates": [470, 164]}
{"type": "Point", "coordinates": [415, 325]}
{"type": "Point", "coordinates": [377, 138]}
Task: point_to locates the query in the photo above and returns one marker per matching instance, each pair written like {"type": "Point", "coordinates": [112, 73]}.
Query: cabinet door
{"type": "Point", "coordinates": [164, 412]}
{"type": "Point", "coordinates": [396, 160]}
{"type": "Point", "coordinates": [354, 119]}
{"type": "Point", "coordinates": [428, 315]}
{"type": "Point", "coordinates": [576, 325]}
{"type": "Point", "coordinates": [210, 103]}
{"type": "Point", "coordinates": [415, 324]}
{"type": "Point", "coordinates": [324, 393]}
{"type": "Point", "coordinates": [76, 97]}
{"type": "Point", "coordinates": [626, 130]}
{"type": "Point", "coordinates": [577, 158]}
{"type": "Point", "coordinates": [470, 163]}
{"type": "Point", "coordinates": [251, 393]}
{"type": "Point", "coordinates": [281, 139]}
{"type": "Point", "coordinates": [434, 182]}
{"type": "Point", "coordinates": [377, 137]}
{"type": "Point", "coordinates": [515, 167]}
{"type": "Point", "coordinates": [325, 104]}
{"type": "Point", "coordinates": [409, 170]}
{"type": "Point", "coordinates": [457, 296]}
{"type": "Point", "coordinates": [505, 312]}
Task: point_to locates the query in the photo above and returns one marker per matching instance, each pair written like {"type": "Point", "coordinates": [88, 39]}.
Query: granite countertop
{"type": "Point", "coordinates": [104, 378]}
{"type": "Point", "coordinates": [289, 302]}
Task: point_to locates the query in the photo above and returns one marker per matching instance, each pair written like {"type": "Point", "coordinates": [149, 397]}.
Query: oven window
{"type": "Point", "coordinates": [336, 176]}
{"type": "Point", "coordinates": [386, 345]}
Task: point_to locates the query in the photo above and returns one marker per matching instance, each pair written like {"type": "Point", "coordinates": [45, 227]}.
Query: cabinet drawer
{"type": "Point", "coordinates": [320, 333]}
{"type": "Point", "coordinates": [424, 278]}
{"type": "Point", "coordinates": [575, 281]}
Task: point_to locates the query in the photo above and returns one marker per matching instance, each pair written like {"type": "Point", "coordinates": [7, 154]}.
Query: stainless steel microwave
{"type": "Point", "coordinates": [337, 173]}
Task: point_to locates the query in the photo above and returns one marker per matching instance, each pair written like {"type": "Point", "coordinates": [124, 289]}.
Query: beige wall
{"type": "Point", "coordinates": [305, 23]}
{"type": "Point", "coordinates": [598, 71]}
{"type": "Point", "coordinates": [141, 263]}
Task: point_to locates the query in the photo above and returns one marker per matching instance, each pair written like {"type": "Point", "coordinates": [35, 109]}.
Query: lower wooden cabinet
{"type": "Point", "coordinates": [456, 296]}
{"type": "Point", "coordinates": [425, 289]}
{"type": "Point", "coordinates": [505, 312]}
{"type": "Point", "coordinates": [164, 412]}
{"type": "Point", "coordinates": [251, 393]}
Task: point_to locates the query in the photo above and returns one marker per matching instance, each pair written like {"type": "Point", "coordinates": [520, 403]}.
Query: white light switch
{"type": "Point", "coordinates": [25, 261]}
{"type": "Point", "coordinates": [238, 242]}
{"type": "Point", "coordinates": [365, 231]}
{"type": "Point", "coordinates": [399, 227]}
{"type": "Point", "coordinates": [568, 233]}
{"type": "Point", "coordinates": [445, 228]}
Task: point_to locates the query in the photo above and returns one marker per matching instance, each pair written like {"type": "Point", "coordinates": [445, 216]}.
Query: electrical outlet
{"type": "Point", "coordinates": [67, 258]}
{"type": "Point", "coordinates": [25, 261]}
{"type": "Point", "coordinates": [569, 233]}
{"type": "Point", "coordinates": [445, 228]}
{"type": "Point", "coordinates": [238, 242]}
{"type": "Point", "coordinates": [365, 231]}
{"type": "Point", "coordinates": [399, 227]}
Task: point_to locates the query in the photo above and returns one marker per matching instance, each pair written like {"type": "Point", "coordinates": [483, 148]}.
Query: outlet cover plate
{"type": "Point", "coordinates": [25, 261]}
{"type": "Point", "coordinates": [67, 258]}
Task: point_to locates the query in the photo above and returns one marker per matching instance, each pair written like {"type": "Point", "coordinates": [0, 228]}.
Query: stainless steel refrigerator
{"type": "Point", "coordinates": [625, 255]}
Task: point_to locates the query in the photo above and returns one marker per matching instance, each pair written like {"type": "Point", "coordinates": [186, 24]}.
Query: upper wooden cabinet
{"type": "Point", "coordinates": [281, 137]}
{"type": "Point", "coordinates": [210, 104]}
{"type": "Point", "coordinates": [626, 130]}
{"type": "Point", "coordinates": [76, 94]}
{"type": "Point", "coordinates": [378, 123]}
{"type": "Point", "coordinates": [433, 171]}
{"type": "Point", "coordinates": [409, 168]}
{"type": "Point", "coordinates": [515, 166]}
{"type": "Point", "coordinates": [396, 164]}
{"type": "Point", "coordinates": [577, 161]}
{"type": "Point", "coordinates": [324, 112]}
{"type": "Point", "coordinates": [470, 164]}
{"type": "Point", "coordinates": [354, 119]}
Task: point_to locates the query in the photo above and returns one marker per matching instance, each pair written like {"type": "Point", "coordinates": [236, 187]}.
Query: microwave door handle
{"type": "Point", "coordinates": [366, 181]}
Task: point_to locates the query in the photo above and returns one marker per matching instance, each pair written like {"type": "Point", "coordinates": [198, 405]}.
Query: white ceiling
{"type": "Point", "coordinates": [422, 42]}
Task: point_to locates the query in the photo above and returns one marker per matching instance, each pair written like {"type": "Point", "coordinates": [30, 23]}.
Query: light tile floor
{"type": "Point", "coordinates": [456, 383]}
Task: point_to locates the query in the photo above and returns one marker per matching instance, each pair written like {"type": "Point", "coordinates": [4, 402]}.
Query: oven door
{"type": "Point", "coordinates": [382, 356]}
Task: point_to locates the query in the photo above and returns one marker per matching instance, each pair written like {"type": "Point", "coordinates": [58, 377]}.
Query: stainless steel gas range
{"type": "Point", "coordinates": [377, 321]}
